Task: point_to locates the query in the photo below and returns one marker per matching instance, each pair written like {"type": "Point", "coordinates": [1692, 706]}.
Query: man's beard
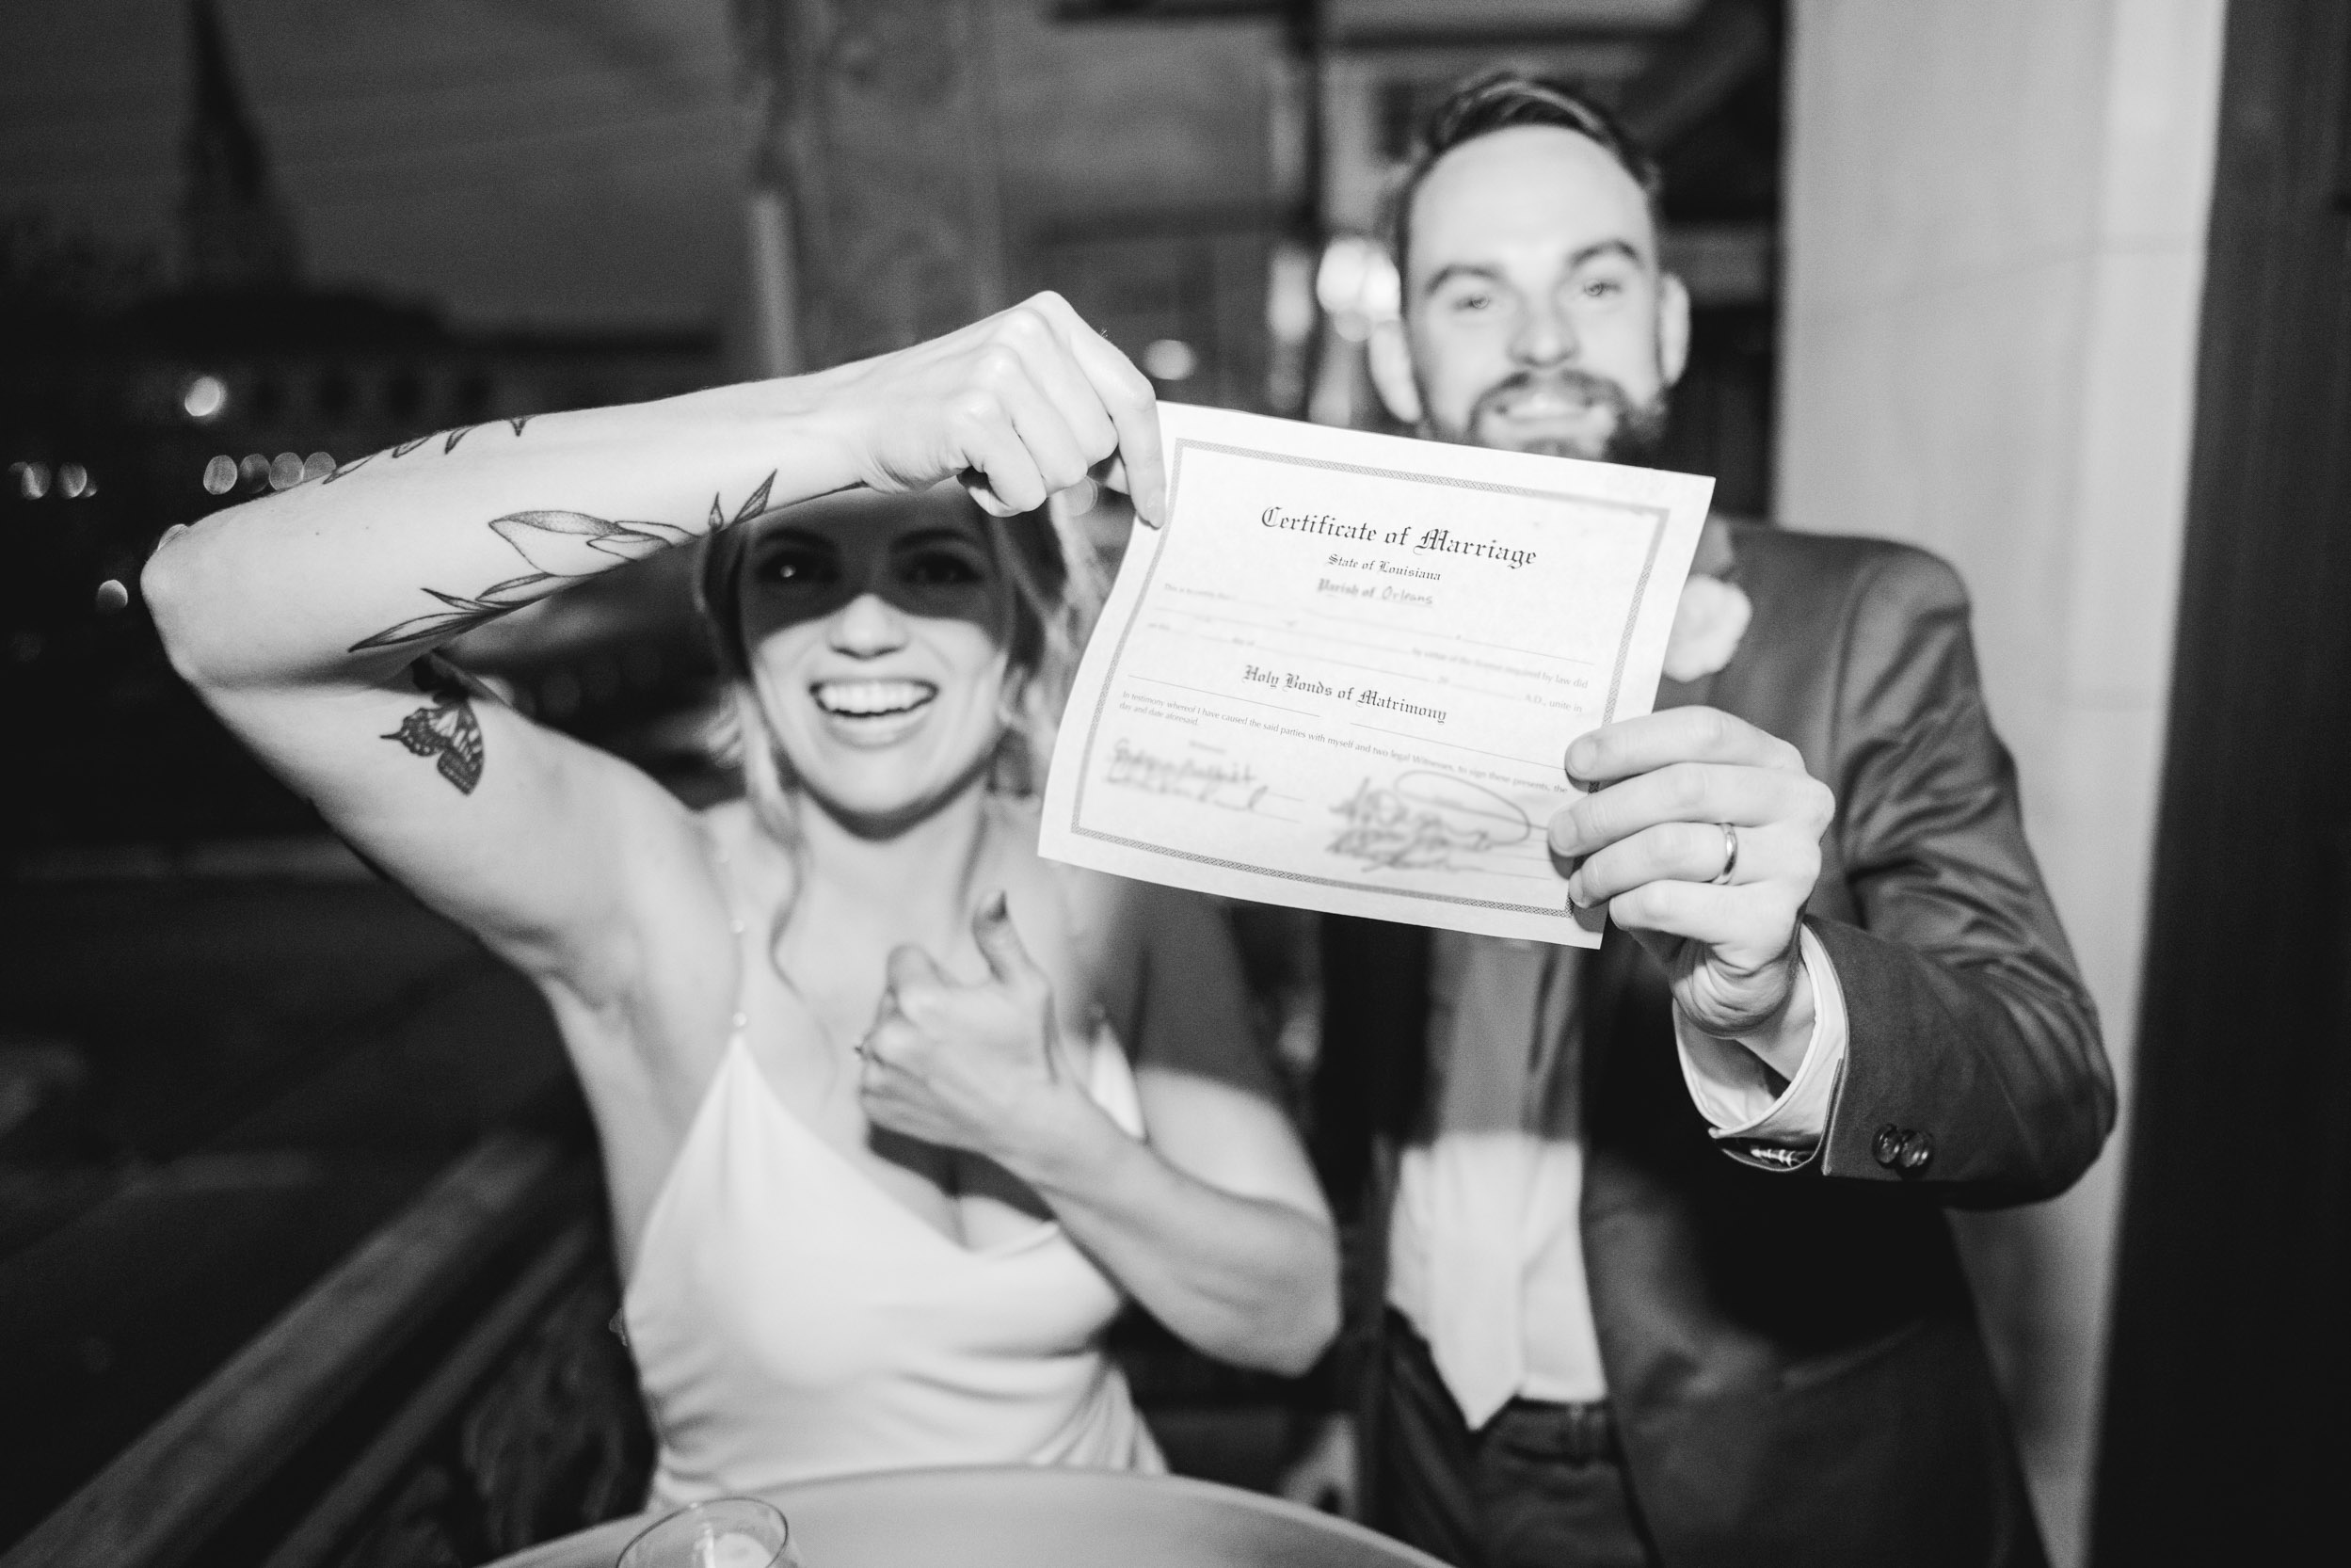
{"type": "Point", "coordinates": [1634, 432]}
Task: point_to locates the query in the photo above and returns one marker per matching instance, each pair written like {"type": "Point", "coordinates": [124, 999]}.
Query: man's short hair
{"type": "Point", "coordinates": [1499, 101]}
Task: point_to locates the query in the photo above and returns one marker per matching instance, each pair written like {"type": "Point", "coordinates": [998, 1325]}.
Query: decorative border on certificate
{"type": "Point", "coordinates": [1658, 517]}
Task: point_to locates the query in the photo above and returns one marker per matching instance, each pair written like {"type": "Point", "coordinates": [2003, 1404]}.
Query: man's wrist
{"type": "Point", "coordinates": [1780, 1037]}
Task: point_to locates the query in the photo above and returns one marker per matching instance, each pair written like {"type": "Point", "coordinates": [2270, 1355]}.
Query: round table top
{"type": "Point", "coordinates": [1032, 1516]}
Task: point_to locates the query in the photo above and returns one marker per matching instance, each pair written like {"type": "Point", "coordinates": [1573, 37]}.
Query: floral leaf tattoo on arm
{"type": "Point", "coordinates": [447, 732]}
{"type": "Point", "coordinates": [554, 545]}
{"type": "Point", "coordinates": [448, 444]}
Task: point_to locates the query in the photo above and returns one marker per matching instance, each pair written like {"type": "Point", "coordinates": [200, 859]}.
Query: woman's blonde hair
{"type": "Point", "coordinates": [1057, 590]}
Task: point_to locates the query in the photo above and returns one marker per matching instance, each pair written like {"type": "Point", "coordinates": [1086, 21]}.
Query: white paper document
{"type": "Point", "coordinates": [1344, 675]}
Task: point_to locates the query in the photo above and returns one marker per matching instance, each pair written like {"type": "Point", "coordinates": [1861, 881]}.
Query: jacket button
{"type": "Point", "coordinates": [1887, 1147]}
{"type": "Point", "coordinates": [1918, 1149]}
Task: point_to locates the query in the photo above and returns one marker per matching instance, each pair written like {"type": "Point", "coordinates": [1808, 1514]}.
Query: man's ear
{"type": "Point", "coordinates": [1388, 354]}
{"type": "Point", "coordinates": [1673, 328]}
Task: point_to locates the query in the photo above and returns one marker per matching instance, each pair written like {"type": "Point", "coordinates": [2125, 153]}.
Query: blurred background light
{"type": "Point", "coordinates": [254, 468]}
{"type": "Point", "coordinates": [1290, 294]}
{"type": "Point", "coordinates": [285, 471]}
{"type": "Point", "coordinates": [204, 397]}
{"type": "Point", "coordinates": [32, 479]}
{"type": "Point", "coordinates": [1169, 359]}
{"type": "Point", "coordinates": [318, 465]}
{"type": "Point", "coordinates": [221, 475]}
{"type": "Point", "coordinates": [1357, 286]}
{"type": "Point", "coordinates": [73, 479]}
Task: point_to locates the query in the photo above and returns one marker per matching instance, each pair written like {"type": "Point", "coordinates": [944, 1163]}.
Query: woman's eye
{"type": "Point", "coordinates": [939, 569]}
{"type": "Point", "coordinates": [799, 569]}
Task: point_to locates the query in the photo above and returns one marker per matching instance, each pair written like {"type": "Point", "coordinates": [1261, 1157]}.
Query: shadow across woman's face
{"type": "Point", "coordinates": [877, 629]}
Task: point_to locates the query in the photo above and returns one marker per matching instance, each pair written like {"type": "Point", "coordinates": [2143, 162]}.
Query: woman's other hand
{"type": "Point", "coordinates": [977, 1067]}
{"type": "Point", "coordinates": [1017, 406]}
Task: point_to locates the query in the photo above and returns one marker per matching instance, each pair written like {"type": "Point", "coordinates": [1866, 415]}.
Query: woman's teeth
{"type": "Point", "coordinates": [864, 700]}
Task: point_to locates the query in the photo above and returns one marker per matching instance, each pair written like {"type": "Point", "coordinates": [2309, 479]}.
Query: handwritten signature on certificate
{"type": "Point", "coordinates": [1344, 672]}
{"type": "Point", "coordinates": [1229, 785]}
{"type": "Point", "coordinates": [1422, 820]}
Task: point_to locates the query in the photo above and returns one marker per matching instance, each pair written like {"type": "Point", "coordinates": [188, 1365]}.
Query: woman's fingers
{"type": "Point", "coordinates": [1026, 402]}
{"type": "Point", "coordinates": [997, 469]}
{"type": "Point", "coordinates": [1007, 958]}
{"type": "Point", "coordinates": [1053, 370]}
{"type": "Point", "coordinates": [1124, 395]}
{"type": "Point", "coordinates": [1024, 372]}
{"type": "Point", "coordinates": [1137, 468]}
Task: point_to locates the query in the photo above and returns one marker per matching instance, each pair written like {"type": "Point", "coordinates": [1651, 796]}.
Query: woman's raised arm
{"type": "Point", "coordinates": [302, 618]}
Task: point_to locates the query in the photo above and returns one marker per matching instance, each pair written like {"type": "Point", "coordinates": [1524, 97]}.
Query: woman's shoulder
{"type": "Point", "coordinates": [1103, 924]}
{"type": "Point", "coordinates": [1115, 919]}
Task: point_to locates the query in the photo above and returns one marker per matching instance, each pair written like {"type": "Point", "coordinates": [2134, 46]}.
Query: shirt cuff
{"type": "Point", "coordinates": [1749, 1104]}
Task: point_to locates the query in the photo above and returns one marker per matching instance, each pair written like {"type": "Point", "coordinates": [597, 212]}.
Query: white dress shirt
{"type": "Point", "coordinates": [1485, 1245]}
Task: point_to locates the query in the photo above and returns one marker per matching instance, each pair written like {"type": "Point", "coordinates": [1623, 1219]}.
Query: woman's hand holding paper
{"type": "Point", "coordinates": [1017, 406]}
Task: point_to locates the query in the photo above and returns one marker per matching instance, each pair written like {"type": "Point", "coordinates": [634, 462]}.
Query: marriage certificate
{"type": "Point", "coordinates": [1343, 676]}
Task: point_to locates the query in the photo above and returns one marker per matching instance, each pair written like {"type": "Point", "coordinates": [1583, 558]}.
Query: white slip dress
{"type": "Point", "coordinates": [791, 1320]}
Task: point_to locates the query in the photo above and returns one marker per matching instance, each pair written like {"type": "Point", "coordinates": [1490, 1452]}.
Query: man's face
{"type": "Point", "coordinates": [1535, 312]}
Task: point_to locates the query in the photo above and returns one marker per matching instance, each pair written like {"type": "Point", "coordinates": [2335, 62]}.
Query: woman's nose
{"type": "Point", "coordinates": [868, 626]}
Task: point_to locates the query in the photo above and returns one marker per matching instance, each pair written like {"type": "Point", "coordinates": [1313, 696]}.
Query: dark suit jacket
{"type": "Point", "coordinates": [1792, 1352]}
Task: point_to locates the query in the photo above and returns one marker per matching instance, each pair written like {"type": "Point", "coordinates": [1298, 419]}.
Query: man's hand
{"type": "Point", "coordinates": [977, 1067]}
{"type": "Point", "coordinates": [1651, 840]}
{"type": "Point", "coordinates": [1017, 406]}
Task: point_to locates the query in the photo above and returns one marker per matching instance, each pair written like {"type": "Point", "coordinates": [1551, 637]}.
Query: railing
{"type": "Point", "coordinates": [288, 1450]}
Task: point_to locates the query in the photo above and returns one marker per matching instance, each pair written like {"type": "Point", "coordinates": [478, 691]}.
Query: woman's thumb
{"type": "Point", "coordinates": [1000, 944]}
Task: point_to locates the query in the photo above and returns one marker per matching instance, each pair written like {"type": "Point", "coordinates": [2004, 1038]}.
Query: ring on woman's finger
{"type": "Point", "coordinates": [1729, 854]}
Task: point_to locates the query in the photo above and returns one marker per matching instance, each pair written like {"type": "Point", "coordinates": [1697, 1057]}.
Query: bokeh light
{"type": "Point", "coordinates": [254, 468]}
{"type": "Point", "coordinates": [1169, 359]}
{"type": "Point", "coordinates": [73, 479]}
{"type": "Point", "coordinates": [32, 479]}
{"type": "Point", "coordinates": [221, 475]}
{"type": "Point", "coordinates": [318, 465]}
{"type": "Point", "coordinates": [285, 471]}
{"type": "Point", "coordinates": [204, 399]}
{"type": "Point", "coordinates": [1357, 286]}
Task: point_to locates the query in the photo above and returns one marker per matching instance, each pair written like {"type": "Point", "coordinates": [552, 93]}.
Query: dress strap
{"type": "Point", "coordinates": [722, 867]}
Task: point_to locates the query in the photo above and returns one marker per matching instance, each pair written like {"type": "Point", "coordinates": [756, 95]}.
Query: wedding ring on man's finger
{"type": "Point", "coordinates": [1729, 854]}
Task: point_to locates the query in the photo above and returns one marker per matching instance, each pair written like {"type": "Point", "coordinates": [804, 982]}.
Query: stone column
{"type": "Point", "coordinates": [1994, 238]}
{"type": "Point", "coordinates": [876, 163]}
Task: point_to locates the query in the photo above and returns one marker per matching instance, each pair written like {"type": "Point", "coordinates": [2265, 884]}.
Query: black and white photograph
{"type": "Point", "coordinates": [1175, 783]}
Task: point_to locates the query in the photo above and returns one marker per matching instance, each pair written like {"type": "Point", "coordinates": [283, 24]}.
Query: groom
{"type": "Point", "coordinates": [1653, 1263]}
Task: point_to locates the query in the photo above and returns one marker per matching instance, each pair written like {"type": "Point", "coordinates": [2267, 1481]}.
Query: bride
{"type": "Point", "coordinates": [894, 1115]}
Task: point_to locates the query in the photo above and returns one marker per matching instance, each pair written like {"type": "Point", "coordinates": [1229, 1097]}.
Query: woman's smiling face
{"type": "Point", "coordinates": [878, 628]}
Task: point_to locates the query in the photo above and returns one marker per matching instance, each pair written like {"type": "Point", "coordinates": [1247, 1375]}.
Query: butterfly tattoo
{"type": "Point", "coordinates": [447, 732]}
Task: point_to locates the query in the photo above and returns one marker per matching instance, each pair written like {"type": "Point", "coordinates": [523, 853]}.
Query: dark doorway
{"type": "Point", "coordinates": [2227, 1381]}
